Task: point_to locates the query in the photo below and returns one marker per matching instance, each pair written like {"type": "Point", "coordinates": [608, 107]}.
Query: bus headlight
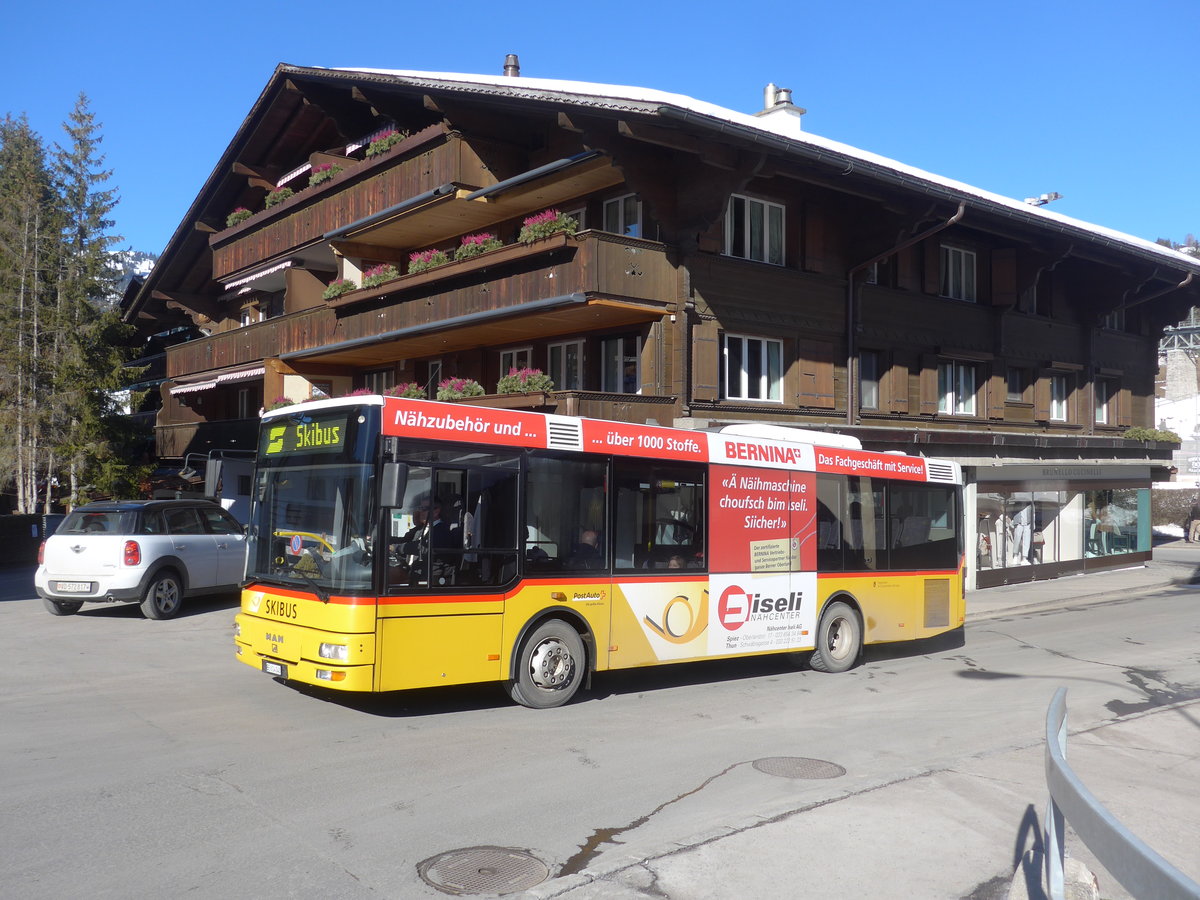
{"type": "Point", "coordinates": [333, 651]}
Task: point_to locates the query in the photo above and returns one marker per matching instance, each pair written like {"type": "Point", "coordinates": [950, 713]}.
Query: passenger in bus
{"type": "Point", "coordinates": [676, 562]}
{"type": "Point", "coordinates": [586, 554]}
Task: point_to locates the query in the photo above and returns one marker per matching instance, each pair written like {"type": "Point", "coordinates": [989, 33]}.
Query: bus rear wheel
{"type": "Point", "coordinates": [550, 666]}
{"type": "Point", "coordinates": [839, 639]}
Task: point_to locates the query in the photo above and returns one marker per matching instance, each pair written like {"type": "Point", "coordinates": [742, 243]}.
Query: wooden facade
{"type": "Point", "coordinates": [718, 275]}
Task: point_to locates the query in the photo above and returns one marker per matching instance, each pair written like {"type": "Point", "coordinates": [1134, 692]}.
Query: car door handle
{"type": "Point", "coordinates": [222, 546]}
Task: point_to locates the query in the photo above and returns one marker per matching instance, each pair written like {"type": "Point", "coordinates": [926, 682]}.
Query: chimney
{"type": "Point", "coordinates": [779, 113]}
{"type": "Point", "coordinates": [512, 66]}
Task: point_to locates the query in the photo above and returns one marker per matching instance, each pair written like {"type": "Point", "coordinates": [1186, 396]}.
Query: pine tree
{"type": "Point", "coordinates": [28, 256]}
{"type": "Point", "coordinates": [90, 345]}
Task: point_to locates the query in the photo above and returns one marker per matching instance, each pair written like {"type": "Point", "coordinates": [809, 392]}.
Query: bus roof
{"type": "Point", "coordinates": [747, 444]}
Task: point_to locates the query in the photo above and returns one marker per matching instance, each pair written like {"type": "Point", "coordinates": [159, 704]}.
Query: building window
{"type": "Point", "coordinates": [868, 379]}
{"type": "Point", "coordinates": [579, 215]}
{"type": "Point", "coordinates": [623, 215]}
{"type": "Point", "coordinates": [1115, 320]}
{"type": "Point", "coordinates": [958, 273]}
{"type": "Point", "coordinates": [566, 365]}
{"type": "Point", "coordinates": [754, 230]}
{"type": "Point", "coordinates": [319, 390]}
{"type": "Point", "coordinates": [620, 365]}
{"type": "Point", "coordinates": [433, 375]}
{"type": "Point", "coordinates": [243, 403]}
{"type": "Point", "coordinates": [518, 358]}
{"type": "Point", "coordinates": [379, 380]}
{"type": "Point", "coordinates": [1104, 399]}
{"type": "Point", "coordinates": [751, 368]}
{"type": "Point", "coordinates": [250, 315]}
{"type": "Point", "coordinates": [1058, 398]}
{"type": "Point", "coordinates": [1018, 382]}
{"type": "Point", "coordinates": [956, 388]}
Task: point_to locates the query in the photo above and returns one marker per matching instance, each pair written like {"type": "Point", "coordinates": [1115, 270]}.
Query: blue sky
{"type": "Point", "coordinates": [1093, 100]}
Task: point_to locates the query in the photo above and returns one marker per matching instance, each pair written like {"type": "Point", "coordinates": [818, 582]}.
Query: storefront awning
{"type": "Point", "coordinates": [212, 379]}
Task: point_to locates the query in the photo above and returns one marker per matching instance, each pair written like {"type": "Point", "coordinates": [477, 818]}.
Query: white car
{"type": "Point", "coordinates": [152, 552]}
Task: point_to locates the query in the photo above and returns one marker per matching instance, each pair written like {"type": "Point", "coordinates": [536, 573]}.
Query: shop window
{"type": "Point", "coordinates": [1111, 521]}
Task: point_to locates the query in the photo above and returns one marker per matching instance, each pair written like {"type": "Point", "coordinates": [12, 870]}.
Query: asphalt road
{"type": "Point", "coordinates": [141, 760]}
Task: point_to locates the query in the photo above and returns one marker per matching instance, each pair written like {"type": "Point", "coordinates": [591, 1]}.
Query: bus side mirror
{"type": "Point", "coordinates": [395, 479]}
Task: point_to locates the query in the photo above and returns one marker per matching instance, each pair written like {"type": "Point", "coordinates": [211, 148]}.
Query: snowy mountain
{"type": "Point", "coordinates": [131, 264]}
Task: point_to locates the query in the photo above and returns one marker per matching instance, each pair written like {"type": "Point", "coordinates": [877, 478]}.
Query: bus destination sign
{"type": "Point", "coordinates": [312, 434]}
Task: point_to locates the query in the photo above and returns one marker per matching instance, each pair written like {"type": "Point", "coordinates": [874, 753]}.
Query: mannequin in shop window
{"type": "Point", "coordinates": [1022, 532]}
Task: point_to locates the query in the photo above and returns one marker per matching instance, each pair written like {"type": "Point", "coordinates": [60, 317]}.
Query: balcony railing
{"type": "Point", "coordinates": [592, 263]}
{"type": "Point", "coordinates": [424, 161]}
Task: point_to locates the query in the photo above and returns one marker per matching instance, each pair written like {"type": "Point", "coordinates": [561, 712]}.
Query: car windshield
{"type": "Point", "coordinates": [311, 526]}
{"type": "Point", "coordinates": [99, 521]}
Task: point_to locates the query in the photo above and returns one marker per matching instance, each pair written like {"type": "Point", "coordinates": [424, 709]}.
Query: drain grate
{"type": "Point", "coordinates": [798, 767]}
{"type": "Point", "coordinates": [483, 870]}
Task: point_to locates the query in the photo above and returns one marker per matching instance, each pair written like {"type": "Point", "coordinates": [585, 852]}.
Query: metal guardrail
{"type": "Point", "coordinates": [1129, 859]}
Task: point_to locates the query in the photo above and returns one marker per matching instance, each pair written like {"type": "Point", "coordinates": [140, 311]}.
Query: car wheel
{"type": "Point", "coordinates": [62, 608]}
{"type": "Point", "coordinates": [163, 596]}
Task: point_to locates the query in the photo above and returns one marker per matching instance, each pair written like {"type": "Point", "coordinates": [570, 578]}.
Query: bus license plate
{"type": "Point", "coordinates": [73, 587]}
{"type": "Point", "coordinates": [279, 670]}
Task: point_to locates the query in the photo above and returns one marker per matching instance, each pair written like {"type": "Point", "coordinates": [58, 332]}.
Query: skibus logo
{"type": "Point", "coordinates": [736, 607]}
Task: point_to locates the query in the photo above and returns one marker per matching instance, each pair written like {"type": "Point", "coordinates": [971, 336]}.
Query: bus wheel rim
{"type": "Point", "coordinates": [550, 665]}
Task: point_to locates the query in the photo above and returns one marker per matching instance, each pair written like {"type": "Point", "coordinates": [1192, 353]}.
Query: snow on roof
{"type": "Point", "coordinates": [648, 100]}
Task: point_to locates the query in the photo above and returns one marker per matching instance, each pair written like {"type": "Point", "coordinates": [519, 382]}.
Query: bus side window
{"type": "Point", "coordinates": [565, 514]}
{"type": "Point", "coordinates": [659, 515]}
{"type": "Point", "coordinates": [829, 523]}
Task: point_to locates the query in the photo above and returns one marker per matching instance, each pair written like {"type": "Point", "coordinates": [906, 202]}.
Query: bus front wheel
{"type": "Point", "coordinates": [550, 666]}
{"type": "Point", "coordinates": [839, 639]}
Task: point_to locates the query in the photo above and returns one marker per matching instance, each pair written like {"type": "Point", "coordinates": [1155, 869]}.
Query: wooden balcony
{"type": "Point", "coordinates": [176, 441]}
{"type": "Point", "coordinates": [609, 280]}
{"type": "Point", "coordinates": [422, 162]}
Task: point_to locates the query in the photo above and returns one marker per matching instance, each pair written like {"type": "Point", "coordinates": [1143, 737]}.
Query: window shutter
{"type": "Point", "coordinates": [1124, 411]}
{"type": "Point", "coordinates": [816, 373]}
{"type": "Point", "coordinates": [706, 349]}
{"type": "Point", "coordinates": [1004, 277]}
{"type": "Point", "coordinates": [933, 270]}
{"type": "Point", "coordinates": [929, 385]}
{"type": "Point", "coordinates": [997, 391]}
{"type": "Point", "coordinates": [895, 384]}
{"type": "Point", "coordinates": [1041, 397]}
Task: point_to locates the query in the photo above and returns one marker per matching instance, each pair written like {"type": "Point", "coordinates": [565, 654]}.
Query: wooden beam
{"type": "Point", "coordinates": [265, 177]}
{"type": "Point", "coordinates": [366, 251]}
{"type": "Point", "coordinates": [566, 123]}
{"type": "Point", "coordinates": [201, 310]}
{"type": "Point", "coordinates": [205, 227]}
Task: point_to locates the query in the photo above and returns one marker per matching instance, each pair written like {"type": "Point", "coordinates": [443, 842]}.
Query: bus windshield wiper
{"type": "Point", "coordinates": [321, 592]}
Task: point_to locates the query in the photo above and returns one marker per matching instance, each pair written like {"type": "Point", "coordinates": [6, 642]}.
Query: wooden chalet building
{"type": "Point", "coordinates": [727, 268]}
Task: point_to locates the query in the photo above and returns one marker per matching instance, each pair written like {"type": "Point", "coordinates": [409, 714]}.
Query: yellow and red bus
{"type": "Point", "coordinates": [398, 544]}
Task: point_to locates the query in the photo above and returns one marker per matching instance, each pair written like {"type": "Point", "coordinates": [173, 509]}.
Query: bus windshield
{"type": "Point", "coordinates": [312, 526]}
{"type": "Point", "coordinates": [312, 520]}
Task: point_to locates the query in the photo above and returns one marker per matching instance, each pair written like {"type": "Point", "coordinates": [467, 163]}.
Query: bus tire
{"type": "Point", "coordinates": [164, 596]}
{"type": "Point", "coordinates": [839, 639]}
{"type": "Point", "coordinates": [550, 666]}
{"type": "Point", "coordinates": [61, 607]}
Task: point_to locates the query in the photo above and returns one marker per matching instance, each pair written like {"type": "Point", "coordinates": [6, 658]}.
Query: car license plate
{"type": "Point", "coordinates": [279, 670]}
{"type": "Point", "coordinates": [73, 587]}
